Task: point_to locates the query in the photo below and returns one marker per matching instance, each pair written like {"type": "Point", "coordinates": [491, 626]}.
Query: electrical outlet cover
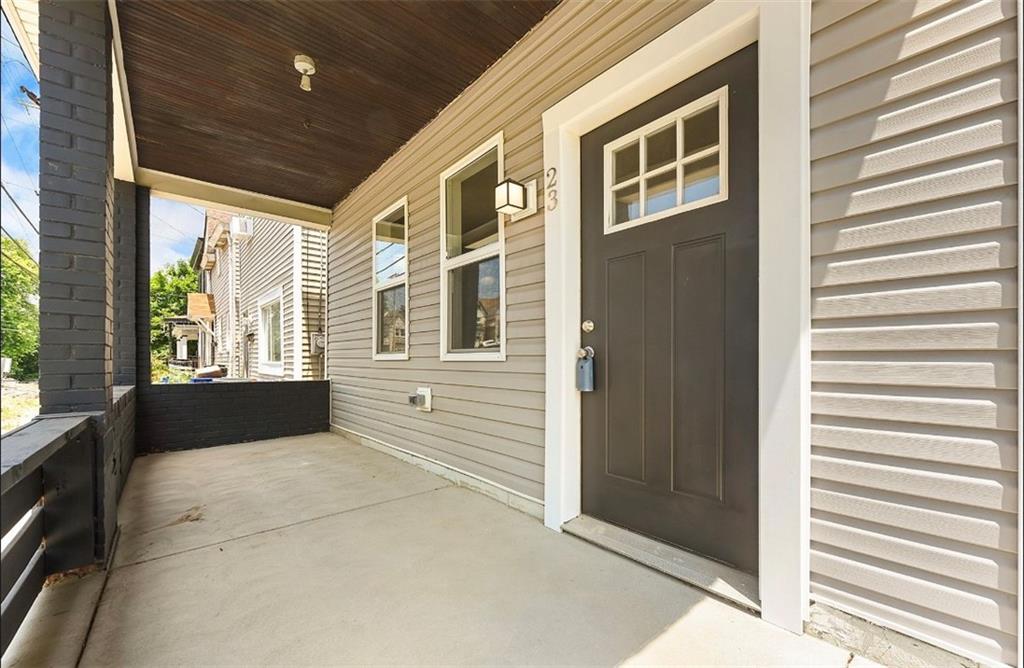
{"type": "Point", "coordinates": [426, 406]}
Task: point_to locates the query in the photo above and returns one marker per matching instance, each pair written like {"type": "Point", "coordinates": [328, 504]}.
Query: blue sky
{"type": "Point", "coordinates": [174, 225]}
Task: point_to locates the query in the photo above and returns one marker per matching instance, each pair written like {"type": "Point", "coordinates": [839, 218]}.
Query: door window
{"type": "Point", "coordinates": [677, 163]}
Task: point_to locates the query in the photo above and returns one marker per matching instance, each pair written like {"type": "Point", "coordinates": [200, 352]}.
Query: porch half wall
{"type": "Point", "coordinates": [200, 415]}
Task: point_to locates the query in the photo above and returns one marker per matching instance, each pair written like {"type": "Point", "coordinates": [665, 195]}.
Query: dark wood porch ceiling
{"type": "Point", "coordinates": [215, 95]}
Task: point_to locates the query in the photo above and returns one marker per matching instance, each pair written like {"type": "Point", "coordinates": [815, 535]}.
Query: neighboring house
{"type": "Point", "coordinates": [265, 281]}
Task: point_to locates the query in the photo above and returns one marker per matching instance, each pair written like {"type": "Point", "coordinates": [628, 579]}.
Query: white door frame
{"type": "Point", "coordinates": [782, 30]}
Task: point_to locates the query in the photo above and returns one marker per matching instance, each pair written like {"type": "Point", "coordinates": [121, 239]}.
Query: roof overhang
{"type": "Point", "coordinates": [240, 135]}
{"type": "Point", "coordinates": [23, 16]}
{"type": "Point", "coordinates": [228, 126]}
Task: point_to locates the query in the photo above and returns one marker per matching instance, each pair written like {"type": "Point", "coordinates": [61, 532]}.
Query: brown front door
{"type": "Point", "coordinates": [669, 279]}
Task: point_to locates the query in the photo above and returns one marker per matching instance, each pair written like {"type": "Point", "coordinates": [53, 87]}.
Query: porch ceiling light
{"type": "Point", "coordinates": [510, 197]}
{"type": "Point", "coordinates": [306, 66]}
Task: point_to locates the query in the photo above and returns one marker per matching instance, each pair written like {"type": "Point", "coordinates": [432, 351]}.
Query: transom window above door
{"type": "Point", "coordinates": [677, 163]}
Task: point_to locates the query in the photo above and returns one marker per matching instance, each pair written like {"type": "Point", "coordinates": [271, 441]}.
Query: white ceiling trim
{"type": "Point", "coordinates": [236, 200]}
{"type": "Point", "coordinates": [24, 18]}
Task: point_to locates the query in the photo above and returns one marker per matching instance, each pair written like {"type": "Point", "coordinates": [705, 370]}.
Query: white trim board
{"type": "Point", "coordinates": [21, 32]}
{"type": "Point", "coordinates": [510, 497]}
{"type": "Point", "coordinates": [126, 152]}
{"type": "Point", "coordinates": [298, 330]}
{"type": "Point", "coordinates": [263, 365]}
{"type": "Point", "coordinates": [782, 31]}
{"type": "Point", "coordinates": [235, 200]}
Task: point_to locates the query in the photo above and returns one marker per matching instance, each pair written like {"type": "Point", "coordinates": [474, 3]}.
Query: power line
{"type": "Point", "coordinates": [18, 207]}
{"type": "Point", "coordinates": [18, 62]}
{"type": "Point", "coordinates": [15, 261]}
{"type": "Point", "coordinates": [18, 185]}
{"type": "Point", "coordinates": [19, 246]}
{"type": "Point", "coordinates": [165, 222]}
{"type": "Point", "coordinates": [10, 135]}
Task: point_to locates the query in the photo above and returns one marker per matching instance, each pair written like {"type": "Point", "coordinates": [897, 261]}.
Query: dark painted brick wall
{"type": "Point", "coordinates": [76, 199]}
{"type": "Point", "coordinates": [125, 252]}
{"type": "Point", "coordinates": [121, 447]}
{"type": "Point", "coordinates": [183, 417]}
{"type": "Point", "coordinates": [116, 449]}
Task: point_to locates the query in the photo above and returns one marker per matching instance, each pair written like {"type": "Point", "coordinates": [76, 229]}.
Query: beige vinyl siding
{"type": "Point", "coordinates": [488, 417]}
{"type": "Point", "coordinates": [914, 290]}
{"type": "Point", "coordinates": [314, 288]}
{"type": "Point", "coordinates": [265, 263]}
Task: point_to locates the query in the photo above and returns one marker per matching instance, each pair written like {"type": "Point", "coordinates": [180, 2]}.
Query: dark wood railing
{"type": "Point", "coordinates": [46, 505]}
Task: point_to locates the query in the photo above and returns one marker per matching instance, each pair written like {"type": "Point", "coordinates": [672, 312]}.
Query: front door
{"type": "Point", "coordinates": [669, 281]}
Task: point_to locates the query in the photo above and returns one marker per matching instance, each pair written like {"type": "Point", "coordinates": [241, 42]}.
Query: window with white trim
{"type": "Point", "coordinates": [473, 257]}
{"type": "Point", "coordinates": [674, 164]}
{"type": "Point", "coordinates": [271, 353]}
{"type": "Point", "coordinates": [391, 282]}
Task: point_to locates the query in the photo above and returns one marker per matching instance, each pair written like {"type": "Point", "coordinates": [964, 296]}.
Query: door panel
{"type": "Point", "coordinates": [624, 404]}
{"type": "Point", "coordinates": [670, 432]}
{"type": "Point", "coordinates": [698, 322]}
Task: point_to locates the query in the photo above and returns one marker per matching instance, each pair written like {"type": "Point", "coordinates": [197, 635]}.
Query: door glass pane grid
{"type": "Point", "coordinates": [644, 164]}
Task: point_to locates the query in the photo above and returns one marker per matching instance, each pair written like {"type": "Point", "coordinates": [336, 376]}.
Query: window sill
{"type": "Point", "coordinates": [481, 356]}
{"type": "Point", "coordinates": [391, 357]}
{"type": "Point", "coordinates": [271, 368]}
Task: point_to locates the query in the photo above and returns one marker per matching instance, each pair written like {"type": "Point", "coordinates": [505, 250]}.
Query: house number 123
{"type": "Point", "coordinates": [552, 188]}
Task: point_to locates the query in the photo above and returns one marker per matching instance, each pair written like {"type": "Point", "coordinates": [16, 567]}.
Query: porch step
{"type": "Point", "coordinates": [718, 579]}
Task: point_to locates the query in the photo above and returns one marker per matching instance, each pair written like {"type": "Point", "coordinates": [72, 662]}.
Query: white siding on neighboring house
{"type": "Point", "coordinates": [265, 264]}
{"type": "Point", "coordinates": [220, 287]}
{"type": "Point", "coordinates": [314, 302]}
{"type": "Point", "coordinates": [488, 416]}
{"type": "Point", "coordinates": [914, 291]}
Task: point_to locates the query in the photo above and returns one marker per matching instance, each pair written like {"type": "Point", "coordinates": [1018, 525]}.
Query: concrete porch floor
{"type": "Point", "coordinates": [316, 550]}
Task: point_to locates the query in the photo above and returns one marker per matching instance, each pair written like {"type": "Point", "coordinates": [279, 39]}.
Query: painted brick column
{"type": "Point", "coordinates": [76, 200]}
{"type": "Point", "coordinates": [124, 283]}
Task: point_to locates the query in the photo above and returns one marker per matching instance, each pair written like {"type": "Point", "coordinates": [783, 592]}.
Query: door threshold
{"type": "Point", "coordinates": [716, 578]}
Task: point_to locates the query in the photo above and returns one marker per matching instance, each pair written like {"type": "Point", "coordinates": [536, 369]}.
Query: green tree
{"type": "Point", "coordinates": [19, 309]}
{"type": "Point", "coordinates": [168, 297]}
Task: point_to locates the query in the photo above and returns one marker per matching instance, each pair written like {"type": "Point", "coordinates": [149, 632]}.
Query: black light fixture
{"type": "Point", "coordinates": [510, 197]}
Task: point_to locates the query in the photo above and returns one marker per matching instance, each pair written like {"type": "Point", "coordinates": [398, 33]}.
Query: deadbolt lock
{"type": "Point", "coordinates": [587, 326]}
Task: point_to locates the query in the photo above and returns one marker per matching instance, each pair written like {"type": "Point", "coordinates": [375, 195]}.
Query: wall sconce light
{"type": "Point", "coordinates": [306, 66]}
{"type": "Point", "coordinates": [510, 197]}
{"type": "Point", "coordinates": [515, 199]}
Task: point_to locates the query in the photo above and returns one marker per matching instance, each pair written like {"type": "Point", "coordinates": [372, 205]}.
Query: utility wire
{"type": "Point", "coordinates": [10, 135]}
{"type": "Point", "coordinates": [18, 62]}
{"type": "Point", "coordinates": [18, 185]}
{"type": "Point", "coordinates": [18, 207]}
{"type": "Point", "coordinates": [165, 222]}
{"type": "Point", "coordinates": [19, 246]}
{"type": "Point", "coordinates": [34, 272]}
